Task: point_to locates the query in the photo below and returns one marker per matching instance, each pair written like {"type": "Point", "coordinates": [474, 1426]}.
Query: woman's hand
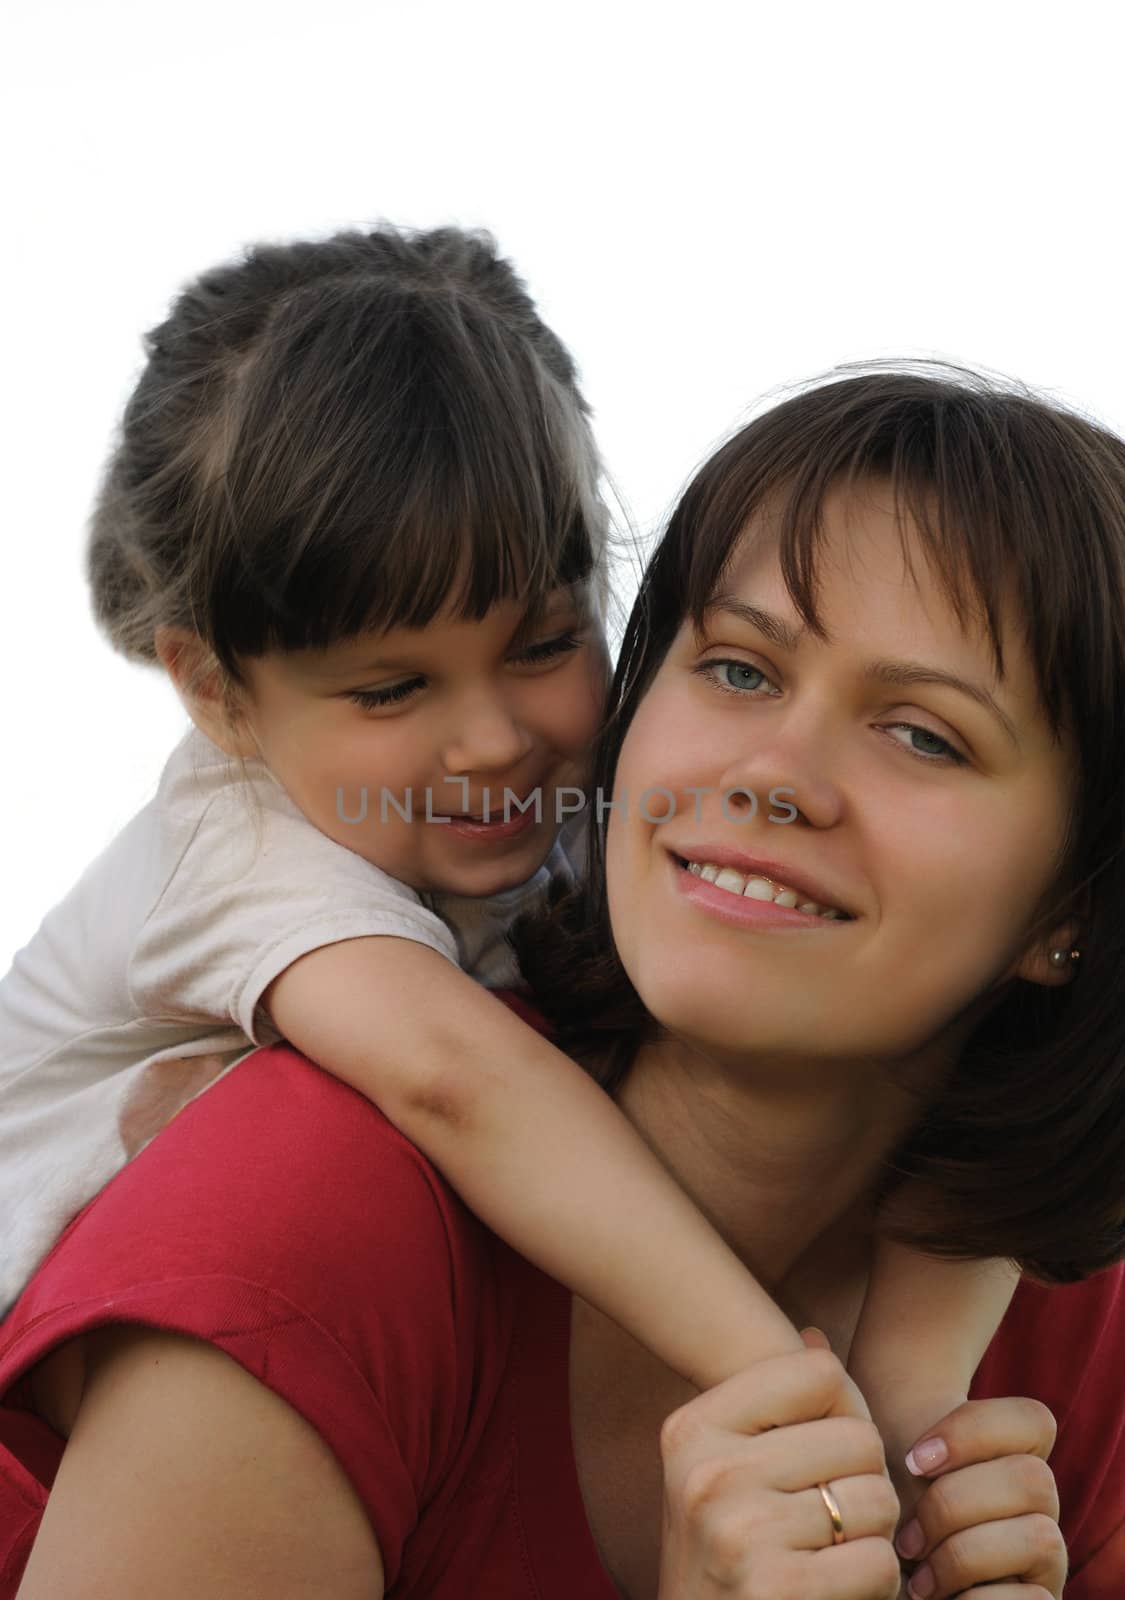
{"type": "Point", "coordinates": [743, 1516]}
{"type": "Point", "coordinates": [990, 1513]}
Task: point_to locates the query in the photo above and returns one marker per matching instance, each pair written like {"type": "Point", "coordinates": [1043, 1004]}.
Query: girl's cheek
{"type": "Point", "coordinates": [592, 698]}
{"type": "Point", "coordinates": [604, 660]}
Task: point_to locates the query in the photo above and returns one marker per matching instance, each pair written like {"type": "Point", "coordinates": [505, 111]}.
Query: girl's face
{"type": "Point", "coordinates": [434, 722]}
{"type": "Point", "coordinates": [930, 814]}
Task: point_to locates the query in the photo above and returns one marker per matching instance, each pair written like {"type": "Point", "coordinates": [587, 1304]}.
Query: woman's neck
{"type": "Point", "coordinates": [786, 1176]}
{"type": "Point", "coordinates": [784, 1164]}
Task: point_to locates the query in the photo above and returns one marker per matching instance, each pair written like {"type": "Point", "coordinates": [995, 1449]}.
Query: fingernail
{"type": "Point", "coordinates": [921, 1584]}
{"type": "Point", "coordinates": [927, 1456]}
{"type": "Point", "coordinates": [911, 1541]}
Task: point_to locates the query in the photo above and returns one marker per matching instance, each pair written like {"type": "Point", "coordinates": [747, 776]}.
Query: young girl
{"type": "Point", "coordinates": [354, 514]}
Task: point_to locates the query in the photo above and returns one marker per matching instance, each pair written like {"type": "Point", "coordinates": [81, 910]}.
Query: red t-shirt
{"type": "Point", "coordinates": [282, 1219]}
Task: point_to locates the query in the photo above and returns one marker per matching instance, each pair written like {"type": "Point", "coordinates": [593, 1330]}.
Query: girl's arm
{"type": "Point", "coordinates": [532, 1145]}
{"type": "Point", "coordinates": [924, 1328]}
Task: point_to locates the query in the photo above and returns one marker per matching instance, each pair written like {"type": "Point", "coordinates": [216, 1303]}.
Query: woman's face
{"type": "Point", "coordinates": [930, 814]}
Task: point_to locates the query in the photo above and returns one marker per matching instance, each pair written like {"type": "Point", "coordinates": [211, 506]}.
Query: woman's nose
{"type": "Point", "coordinates": [485, 737]}
{"type": "Point", "coordinates": [793, 758]}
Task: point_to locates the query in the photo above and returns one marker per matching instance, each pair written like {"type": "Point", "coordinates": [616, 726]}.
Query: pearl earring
{"type": "Point", "coordinates": [1060, 958]}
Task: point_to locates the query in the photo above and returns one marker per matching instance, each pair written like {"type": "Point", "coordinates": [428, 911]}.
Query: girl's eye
{"type": "Point", "coordinates": [534, 655]}
{"type": "Point", "coordinates": [375, 699]}
{"type": "Point", "coordinates": [547, 649]}
{"type": "Point", "coordinates": [739, 677]}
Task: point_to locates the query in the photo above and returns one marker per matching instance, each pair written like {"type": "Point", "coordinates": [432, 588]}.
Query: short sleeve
{"type": "Point", "coordinates": [283, 1220]}
{"type": "Point", "coordinates": [1065, 1346]}
{"type": "Point", "coordinates": [255, 887]}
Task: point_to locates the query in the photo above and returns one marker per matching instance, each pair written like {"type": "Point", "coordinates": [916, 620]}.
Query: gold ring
{"type": "Point", "coordinates": [832, 1507]}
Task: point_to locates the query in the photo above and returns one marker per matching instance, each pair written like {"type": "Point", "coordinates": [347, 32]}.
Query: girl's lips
{"type": "Point", "coordinates": [742, 912]}
{"type": "Point", "coordinates": [486, 832]}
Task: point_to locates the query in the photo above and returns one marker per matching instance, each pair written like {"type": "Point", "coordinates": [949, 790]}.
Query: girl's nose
{"type": "Point", "coordinates": [485, 737]}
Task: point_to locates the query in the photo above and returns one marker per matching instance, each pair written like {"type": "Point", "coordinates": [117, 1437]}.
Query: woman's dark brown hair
{"type": "Point", "coordinates": [332, 437]}
{"type": "Point", "coordinates": [1023, 1155]}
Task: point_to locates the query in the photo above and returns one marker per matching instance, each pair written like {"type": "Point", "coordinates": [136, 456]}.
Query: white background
{"type": "Point", "coordinates": [709, 200]}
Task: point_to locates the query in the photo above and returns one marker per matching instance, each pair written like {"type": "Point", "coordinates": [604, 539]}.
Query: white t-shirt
{"type": "Point", "coordinates": [142, 986]}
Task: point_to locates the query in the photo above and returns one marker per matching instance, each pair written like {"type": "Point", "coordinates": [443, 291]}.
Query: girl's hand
{"type": "Point", "coordinates": [743, 1516]}
{"type": "Point", "coordinates": [986, 1527]}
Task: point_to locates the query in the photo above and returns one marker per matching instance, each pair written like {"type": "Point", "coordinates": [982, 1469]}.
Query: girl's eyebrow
{"type": "Point", "coordinates": [563, 600]}
{"type": "Point", "coordinates": [359, 669]}
{"type": "Point", "coordinates": [900, 673]}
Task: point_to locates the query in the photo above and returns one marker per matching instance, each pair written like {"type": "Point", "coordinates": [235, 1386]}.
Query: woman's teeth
{"type": "Point", "coordinates": [753, 888]}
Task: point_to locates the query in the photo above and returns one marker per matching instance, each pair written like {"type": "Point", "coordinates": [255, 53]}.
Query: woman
{"type": "Point", "coordinates": [888, 615]}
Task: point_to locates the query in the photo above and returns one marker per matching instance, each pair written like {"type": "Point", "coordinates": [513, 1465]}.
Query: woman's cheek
{"type": "Point", "coordinates": [622, 886]}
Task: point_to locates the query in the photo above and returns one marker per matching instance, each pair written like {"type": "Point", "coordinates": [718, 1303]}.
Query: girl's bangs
{"type": "Point", "coordinates": [441, 474]}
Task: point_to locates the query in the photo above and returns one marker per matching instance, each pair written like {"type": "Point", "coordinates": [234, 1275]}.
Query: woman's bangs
{"type": "Point", "coordinates": [992, 537]}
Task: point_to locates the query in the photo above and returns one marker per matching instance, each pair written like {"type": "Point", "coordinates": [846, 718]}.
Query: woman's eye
{"type": "Point", "coordinates": [375, 699]}
{"type": "Point", "coordinates": [739, 677]}
{"type": "Point", "coordinates": [733, 677]}
{"type": "Point", "coordinates": [944, 753]}
{"type": "Point", "coordinates": [547, 649]}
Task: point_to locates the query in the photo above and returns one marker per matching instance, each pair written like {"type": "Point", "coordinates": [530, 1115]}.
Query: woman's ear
{"type": "Point", "coordinates": [1054, 960]}
{"type": "Point", "coordinates": [210, 700]}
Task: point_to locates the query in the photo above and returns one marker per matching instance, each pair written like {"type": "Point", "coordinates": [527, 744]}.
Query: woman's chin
{"type": "Point", "coordinates": [700, 1014]}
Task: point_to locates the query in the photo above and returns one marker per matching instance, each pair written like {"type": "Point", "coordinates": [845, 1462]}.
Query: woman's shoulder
{"type": "Point", "coordinates": [1066, 1347]}
{"type": "Point", "coordinates": [278, 1170]}
{"type": "Point", "coordinates": [1084, 1319]}
{"type": "Point", "coordinates": [281, 1218]}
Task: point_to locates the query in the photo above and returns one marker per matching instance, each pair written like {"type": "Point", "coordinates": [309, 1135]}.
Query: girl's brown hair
{"type": "Point", "coordinates": [332, 437]}
{"type": "Point", "coordinates": [1023, 1154]}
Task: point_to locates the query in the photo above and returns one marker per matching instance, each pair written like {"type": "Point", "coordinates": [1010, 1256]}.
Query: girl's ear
{"type": "Point", "coordinates": [1053, 961]}
{"type": "Point", "coordinates": [210, 700]}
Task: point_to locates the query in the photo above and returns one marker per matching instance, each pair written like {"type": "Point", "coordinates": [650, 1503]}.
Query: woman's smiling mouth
{"type": "Point", "coordinates": [748, 898]}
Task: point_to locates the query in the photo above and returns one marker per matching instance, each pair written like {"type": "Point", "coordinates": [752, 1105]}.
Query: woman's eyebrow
{"type": "Point", "coordinates": [899, 673]}
{"type": "Point", "coordinates": [775, 630]}
{"type": "Point", "coordinates": [905, 673]}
